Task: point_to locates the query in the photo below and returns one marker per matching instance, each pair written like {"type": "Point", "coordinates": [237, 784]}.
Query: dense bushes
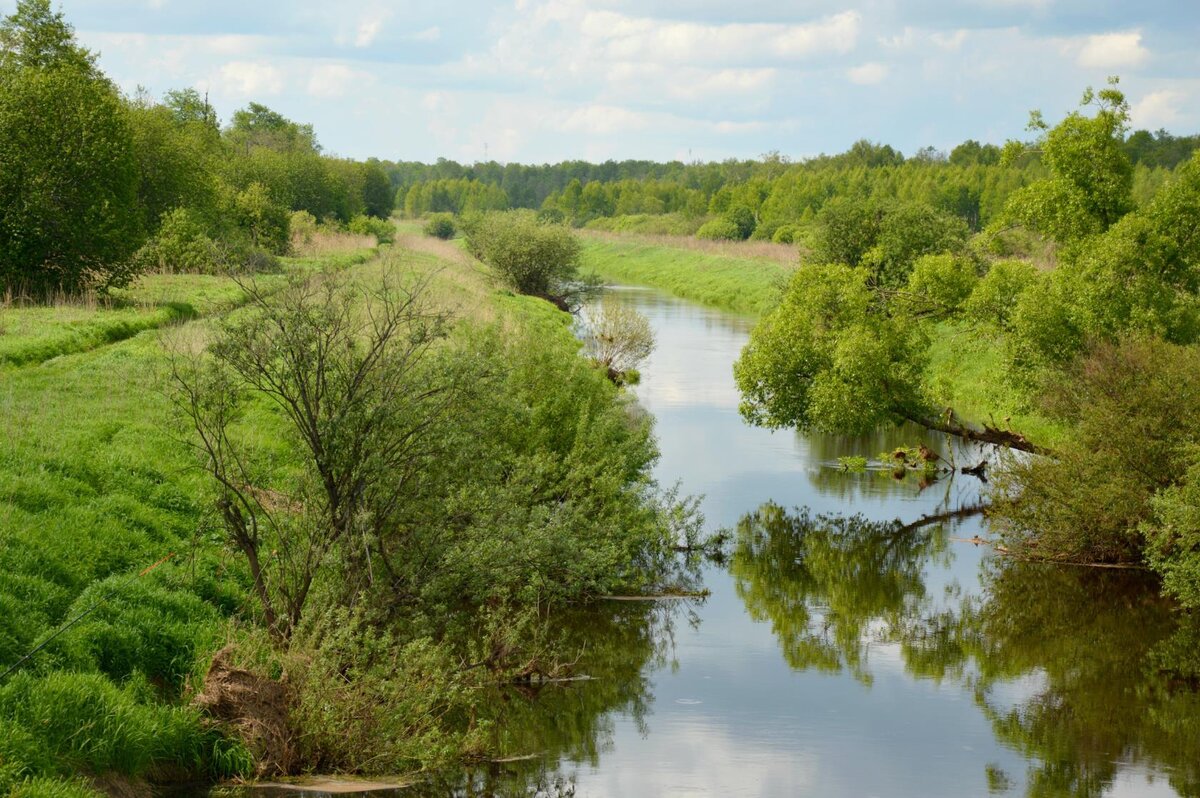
{"type": "Point", "coordinates": [533, 257]}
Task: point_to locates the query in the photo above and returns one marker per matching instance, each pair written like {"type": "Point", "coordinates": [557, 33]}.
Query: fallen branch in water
{"type": "Point", "coordinates": [660, 597]}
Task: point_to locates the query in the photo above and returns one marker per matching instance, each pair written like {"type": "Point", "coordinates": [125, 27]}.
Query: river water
{"type": "Point", "coordinates": [840, 657]}
{"type": "Point", "coordinates": [840, 654]}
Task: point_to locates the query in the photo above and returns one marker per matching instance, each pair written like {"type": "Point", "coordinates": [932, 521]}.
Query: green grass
{"type": "Point", "coordinates": [743, 285]}
{"type": "Point", "coordinates": [967, 372]}
{"type": "Point", "coordinates": [38, 333]}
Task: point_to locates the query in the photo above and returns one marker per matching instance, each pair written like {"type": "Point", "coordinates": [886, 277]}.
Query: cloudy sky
{"type": "Point", "coordinates": [546, 80]}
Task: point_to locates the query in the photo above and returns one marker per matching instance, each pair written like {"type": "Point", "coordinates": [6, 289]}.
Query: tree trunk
{"type": "Point", "coordinates": [950, 425]}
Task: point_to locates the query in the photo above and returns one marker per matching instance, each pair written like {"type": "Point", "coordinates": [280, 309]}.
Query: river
{"type": "Point", "coordinates": [841, 655]}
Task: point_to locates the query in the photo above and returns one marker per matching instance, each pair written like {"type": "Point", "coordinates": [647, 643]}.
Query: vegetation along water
{"type": "Point", "coordinates": [859, 475]}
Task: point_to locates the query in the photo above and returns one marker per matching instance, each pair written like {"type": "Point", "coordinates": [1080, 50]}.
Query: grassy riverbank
{"type": "Point", "coordinates": [744, 278]}
{"type": "Point", "coordinates": [107, 534]}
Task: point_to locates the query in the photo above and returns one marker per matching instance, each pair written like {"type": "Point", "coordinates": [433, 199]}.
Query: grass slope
{"type": "Point", "coordinates": [743, 285]}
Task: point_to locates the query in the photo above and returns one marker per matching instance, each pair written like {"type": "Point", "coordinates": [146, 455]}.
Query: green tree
{"type": "Point", "coordinates": [1091, 176]}
{"type": "Point", "coordinates": [68, 171]}
{"type": "Point", "coordinates": [377, 195]}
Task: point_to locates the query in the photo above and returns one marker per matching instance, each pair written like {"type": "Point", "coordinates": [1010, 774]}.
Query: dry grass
{"type": "Point", "coordinates": [784, 254]}
{"type": "Point", "coordinates": [324, 242]}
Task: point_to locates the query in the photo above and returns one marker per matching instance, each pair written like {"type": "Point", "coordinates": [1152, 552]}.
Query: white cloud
{"type": "Point", "coordinates": [602, 120]}
{"type": "Point", "coordinates": [1109, 50]}
{"type": "Point", "coordinates": [251, 78]}
{"type": "Point", "coordinates": [867, 74]}
{"type": "Point", "coordinates": [333, 80]}
{"type": "Point", "coordinates": [1157, 109]}
{"type": "Point", "coordinates": [622, 37]}
{"type": "Point", "coordinates": [370, 25]}
{"type": "Point", "coordinates": [428, 35]}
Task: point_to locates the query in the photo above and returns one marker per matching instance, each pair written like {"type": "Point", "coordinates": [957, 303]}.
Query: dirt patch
{"type": "Point", "coordinates": [115, 785]}
{"type": "Point", "coordinates": [257, 707]}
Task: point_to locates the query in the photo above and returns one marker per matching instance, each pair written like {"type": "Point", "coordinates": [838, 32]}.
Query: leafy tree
{"type": "Point", "coordinates": [1133, 433]}
{"type": "Point", "coordinates": [378, 197]}
{"type": "Point", "coordinates": [441, 225]}
{"type": "Point", "coordinates": [828, 358]}
{"type": "Point", "coordinates": [68, 174]}
{"type": "Point", "coordinates": [617, 338]}
{"type": "Point", "coordinates": [264, 222]}
{"type": "Point", "coordinates": [1091, 177]}
{"type": "Point", "coordinates": [36, 37]}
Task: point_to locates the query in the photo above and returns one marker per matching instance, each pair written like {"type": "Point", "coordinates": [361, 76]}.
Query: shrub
{"type": "Point", "coordinates": [1173, 537]}
{"type": "Point", "coordinates": [942, 283]}
{"type": "Point", "coordinates": [743, 219]}
{"type": "Point", "coordinates": [533, 258]}
{"type": "Point", "coordinates": [1132, 409]}
{"type": "Point", "coordinates": [719, 229]}
{"type": "Point", "coordinates": [441, 225]}
{"type": "Point", "coordinates": [383, 230]}
{"type": "Point", "coordinates": [263, 221]}
{"type": "Point", "coordinates": [618, 338]}
{"type": "Point", "coordinates": [303, 227]}
{"type": "Point", "coordinates": [181, 245]}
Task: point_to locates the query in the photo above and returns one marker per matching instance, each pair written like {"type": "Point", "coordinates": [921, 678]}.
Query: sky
{"type": "Point", "coordinates": [538, 81]}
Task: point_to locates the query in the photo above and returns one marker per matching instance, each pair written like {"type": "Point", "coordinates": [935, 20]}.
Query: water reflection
{"type": "Point", "coordinates": [1085, 672]}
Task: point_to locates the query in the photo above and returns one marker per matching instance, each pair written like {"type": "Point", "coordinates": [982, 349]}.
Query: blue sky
{"type": "Point", "coordinates": [546, 80]}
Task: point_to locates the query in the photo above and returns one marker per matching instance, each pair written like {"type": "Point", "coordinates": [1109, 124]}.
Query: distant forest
{"type": "Point", "coordinates": [971, 181]}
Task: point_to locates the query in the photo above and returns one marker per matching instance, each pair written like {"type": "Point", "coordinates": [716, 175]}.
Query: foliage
{"type": "Point", "coordinates": [720, 229]}
{"type": "Point", "coordinates": [1173, 536]}
{"type": "Point", "coordinates": [68, 177]}
{"type": "Point", "coordinates": [939, 285]}
{"type": "Point", "coordinates": [616, 337]}
{"type": "Point", "coordinates": [383, 230]}
{"type": "Point", "coordinates": [1132, 432]}
{"type": "Point", "coordinates": [441, 225]}
{"type": "Point", "coordinates": [263, 221]}
{"type": "Point", "coordinates": [1091, 177]}
{"type": "Point", "coordinates": [827, 358]}
{"type": "Point", "coordinates": [341, 377]}
{"type": "Point", "coordinates": [533, 258]}
{"type": "Point", "coordinates": [992, 299]}
{"type": "Point", "coordinates": [180, 245]}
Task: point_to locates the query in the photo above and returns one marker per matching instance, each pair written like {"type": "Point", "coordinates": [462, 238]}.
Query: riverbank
{"type": "Point", "coordinates": [117, 588]}
{"type": "Point", "coordinates": [964, 368]}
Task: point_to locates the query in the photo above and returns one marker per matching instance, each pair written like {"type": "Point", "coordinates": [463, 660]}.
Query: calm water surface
{"type": "Point", "coordinates": [847, 657]}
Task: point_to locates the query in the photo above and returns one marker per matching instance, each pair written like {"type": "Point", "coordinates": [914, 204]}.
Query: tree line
{"type": "Point", "coordinates": [971, 181]}
{"type": "Point", "coordinates": [96, 186]}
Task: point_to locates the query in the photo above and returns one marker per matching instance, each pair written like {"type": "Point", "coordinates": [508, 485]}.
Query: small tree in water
{"type": "Point", "coordinates": [618, 338]}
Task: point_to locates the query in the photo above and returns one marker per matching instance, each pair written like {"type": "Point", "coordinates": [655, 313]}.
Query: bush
{"type": "Point", "coordinates": [719, 229]}
{"type": "Point", "coordinates": [533, 258]}
{"type": "Point", "coordinates": [441, 225]}
{"type": "Point", "coordinates": [1173, 537]}
{"type": "Point", "coordinates": [618, 338]}
{"type": "Point", "coordinates": [743, 219]}
{"type": "Point", "coordinates": [262, 220]}
{"type": "Point", "coordinates": [784, 234]}
{"type": "Point", "coordinates": [942, 282]}
{"type": "Point", "coordinates": [1132, 409]}
{"type": "Point", "coordinates": [303, 227]}
{"type": "Point", "coordinates": [180, 245]}
{"type": "Point", "coordinates": [383, 230]}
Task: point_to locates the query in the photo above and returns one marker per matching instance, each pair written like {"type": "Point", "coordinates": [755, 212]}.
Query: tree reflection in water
{"type": "Point", "coordinates": [1115, 668]}
{"type": "Point", "coordinates": [533, 730]}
